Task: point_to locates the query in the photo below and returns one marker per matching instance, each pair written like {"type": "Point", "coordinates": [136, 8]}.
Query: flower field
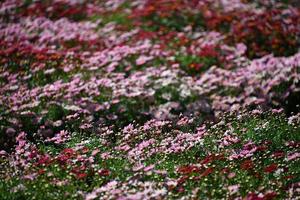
{"type": "Point", "coordinates": [150, 99]}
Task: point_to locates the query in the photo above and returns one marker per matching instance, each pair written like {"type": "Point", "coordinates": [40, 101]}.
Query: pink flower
{"type": "Point", "coordinates": [105, 155]}
{"type": "Point", "coordinates": [149, 168]}
{"type": "Point", "coordinates": [231, 175]}
{"type": "Point", "coordinates": [233, 189]}
{"type": "Point", "coordinates": [30, 176]}
{"type": "Point", "coordinates": [3, 153]}
{"type": "Point", "coordinates": [293, 156]}
{"type": "Point", "coordinates": [95, 152]}
{"type": "Point", "coordinates": [143, 59]}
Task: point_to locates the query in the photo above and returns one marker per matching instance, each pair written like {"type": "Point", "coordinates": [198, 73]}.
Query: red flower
{"type": "Point", "coordinates": [41, 171]}
{"type": "Point", "coordinates": [278, 154]}
{"type": "Point", "coordinates": [209, 51]}
{"type": "Point", "coordinates": [181, 189]}
{"type": "Point", "coordinates": [85, 150]}
{"type": "Point", "coordinates": [267, 196]}
{"type": "Point", "coordinates": [68, 151]}
{"type": "Point", "coordinates": [211, 158]}
{"type": "Point", "coordinates": [182, 180]}
{"type": "Point", "coordinates": [270, 195]}
{"type": "Point", "coordinates": [44, 160]}
{"type": "Point", "coordinates": [262, 148]}
{"type": "Point", "coordinates": [104, 172]}
{"type": "Point", "coordinates": [188, 169]}
{"type": "Point", "coordinates": [225, 171]}
{"type": "Point", "coordinates": [253, 196]}
{"type": "Point", "coordinates": [247, 164]}
{"type": "Point", "coordinates": [271, 168]}
{"type": "Point", "coordinates": [81, 175]}
{"type": "Point", "coordinates": [207, 160]}
{"type": "Point", "coordinates": [62, 159]}
{"type": "Point", "coordinates": [257, 175]}
{"type": "Point", "coordinates": [33, 154]}
{"type": "Point", "coordinates": [207, 172]}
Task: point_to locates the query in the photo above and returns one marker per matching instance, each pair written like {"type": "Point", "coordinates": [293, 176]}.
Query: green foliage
{"type": "Point", "coordinates": [193, 64]}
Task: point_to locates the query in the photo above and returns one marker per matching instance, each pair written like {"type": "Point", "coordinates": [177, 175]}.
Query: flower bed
{"type": "Point", "coordinates": [164, 99]}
